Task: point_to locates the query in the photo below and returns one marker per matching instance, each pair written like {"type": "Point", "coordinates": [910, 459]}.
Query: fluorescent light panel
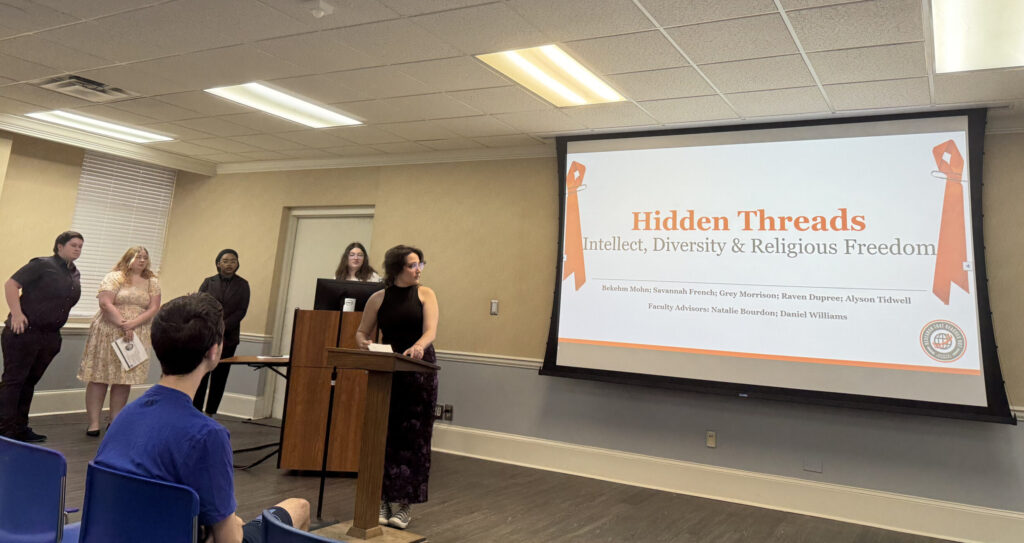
{"type": "Point", "coordinates": [553, 75]}
{"type": "Point", "coordinates": [96, 126]}
{"type": "Point", "coordinates": [976, 35]}
{"type": "Point", "coordinates": [275, 102]}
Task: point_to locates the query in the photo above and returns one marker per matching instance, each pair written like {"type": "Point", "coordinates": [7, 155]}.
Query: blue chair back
{"type": "Point", "coordinates": [123, 508]}
{"type": "Point", "coordinates": [31, 493]}
{"type": "Point", "coordinates": [275, 531]}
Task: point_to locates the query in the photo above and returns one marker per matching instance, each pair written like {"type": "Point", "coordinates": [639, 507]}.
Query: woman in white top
{"type": "Point", "coordinates": [353, 265]}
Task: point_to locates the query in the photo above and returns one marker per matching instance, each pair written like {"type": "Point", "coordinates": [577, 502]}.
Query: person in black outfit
{"type": "Point", "coordinates": [233, 294]}
{"type": "Point", "coordinates": [407, 314]}
{"type": "Point", "coordinates": [50, 286]}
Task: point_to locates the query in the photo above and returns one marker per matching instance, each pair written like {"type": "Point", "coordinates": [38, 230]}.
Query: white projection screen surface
{"type": "Point", "coordinates": [830, 262]}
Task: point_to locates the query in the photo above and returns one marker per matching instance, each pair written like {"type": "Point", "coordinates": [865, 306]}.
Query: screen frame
{"type": "Point", "coordinates": [997, 408]}
{"type": "Point", "coordinates": [330, 293]}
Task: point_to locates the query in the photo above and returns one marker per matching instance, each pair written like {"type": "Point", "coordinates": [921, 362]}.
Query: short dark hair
{"type": "Point", "coordinates": [223, 252]}
{"type": "Point", "coordinates": [394, 261]}
{"type": "Point", "coordinates": [184, 329]}
{"type": "Point", "coordinates": [65, 237]}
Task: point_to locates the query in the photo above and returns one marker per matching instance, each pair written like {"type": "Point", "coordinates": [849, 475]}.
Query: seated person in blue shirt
{"type": "Point", "coordinates": [161, 436]}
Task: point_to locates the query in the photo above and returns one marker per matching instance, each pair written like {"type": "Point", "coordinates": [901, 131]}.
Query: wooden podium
{"type": "Point", "coordinates": [379, 368]}
{"type": "Point", "coordinates": [306, 398]}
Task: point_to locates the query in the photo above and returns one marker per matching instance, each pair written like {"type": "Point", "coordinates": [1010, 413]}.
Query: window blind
{"type": "Point", "coordinates": [121, 203]}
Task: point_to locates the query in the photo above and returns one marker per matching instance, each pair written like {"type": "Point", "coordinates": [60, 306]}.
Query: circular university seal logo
{"type": "Point", "coordinates": [943, 341]}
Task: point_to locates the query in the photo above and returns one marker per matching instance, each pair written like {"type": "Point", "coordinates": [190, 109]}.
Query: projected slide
{"type": "Point", "coordinates": [835, 259]}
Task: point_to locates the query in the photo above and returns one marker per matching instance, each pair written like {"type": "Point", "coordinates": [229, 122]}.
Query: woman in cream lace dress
{"type": "Point", "coordinates": [129, 298]}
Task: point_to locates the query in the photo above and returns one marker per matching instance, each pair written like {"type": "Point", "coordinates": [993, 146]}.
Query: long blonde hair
{"type": "Point", "coordinates": [124, 265]}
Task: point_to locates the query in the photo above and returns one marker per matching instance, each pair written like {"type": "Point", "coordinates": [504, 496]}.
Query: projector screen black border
{"type": "Point", "coordinates": [997, 409]}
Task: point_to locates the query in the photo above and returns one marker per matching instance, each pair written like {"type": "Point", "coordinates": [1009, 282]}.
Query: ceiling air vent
{"type": "Point", "coordinates": [86, 89]}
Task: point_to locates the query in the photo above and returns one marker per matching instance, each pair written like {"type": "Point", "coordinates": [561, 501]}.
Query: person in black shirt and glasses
{"type": "Point", "coordinates": [233, 294]}
{"type": "Point", "coordinates": [49, 287]}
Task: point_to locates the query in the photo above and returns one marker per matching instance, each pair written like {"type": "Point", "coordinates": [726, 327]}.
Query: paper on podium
{"type": "Point", "coordinates": [380, 348]}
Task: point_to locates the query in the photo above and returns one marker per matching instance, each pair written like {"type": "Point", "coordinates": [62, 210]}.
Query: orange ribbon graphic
{"type": "Point", "coordinates": [952, 251]}
{"type": "Point", "coordinates": [573, 231]}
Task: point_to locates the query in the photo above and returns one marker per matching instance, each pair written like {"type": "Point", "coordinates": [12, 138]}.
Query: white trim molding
{"type": "Point", "coordinates": [891, 511]}
{"type": "Point", "coordinates": [489, 359]}
{"type": "Point", "coordinates": [72, 400]}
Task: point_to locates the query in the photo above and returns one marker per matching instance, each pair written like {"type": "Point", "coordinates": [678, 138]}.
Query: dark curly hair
{"type": "Point", "coordinates": [394, 261]}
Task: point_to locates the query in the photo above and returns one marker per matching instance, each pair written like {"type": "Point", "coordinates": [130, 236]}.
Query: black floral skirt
{"type": "Point", "coordinates": [410, 427]}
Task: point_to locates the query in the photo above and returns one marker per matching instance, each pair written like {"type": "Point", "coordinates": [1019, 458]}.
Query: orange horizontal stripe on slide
{"type": "Point", "coordinates": [830, 361]}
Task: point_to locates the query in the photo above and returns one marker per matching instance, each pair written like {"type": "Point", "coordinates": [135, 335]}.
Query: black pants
{"type": "Point", "coordinates": [26, 357]}
{"type": "Point", "coordinates": [217, 380]}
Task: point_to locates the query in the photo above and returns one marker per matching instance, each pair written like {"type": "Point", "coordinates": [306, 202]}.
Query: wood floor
{"type": "Point", "coordinates": [478, 501]}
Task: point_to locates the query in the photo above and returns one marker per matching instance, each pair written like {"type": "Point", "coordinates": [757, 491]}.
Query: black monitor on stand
{"type": "Point", "coordinates": [331, 293]}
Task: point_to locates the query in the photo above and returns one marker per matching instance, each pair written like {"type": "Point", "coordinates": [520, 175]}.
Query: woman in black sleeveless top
{"type": "Point", "coordinates": [407, 315]}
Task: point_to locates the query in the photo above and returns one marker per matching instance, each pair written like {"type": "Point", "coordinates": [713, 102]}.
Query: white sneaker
{"type": "Point", "coordinates": [385, 513]}
{"type": "Point", "coordinates": [401, 518]}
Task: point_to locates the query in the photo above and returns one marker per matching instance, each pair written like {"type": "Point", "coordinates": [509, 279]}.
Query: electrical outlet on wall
{"type": "Point", "coordinates": [711, 439]}
{"type": "Point", "coordinates": [494, 307]}
{"type": "Point", "coordinates": [438, 411]}
{"type": "Point", "coordinates": [448, 409]}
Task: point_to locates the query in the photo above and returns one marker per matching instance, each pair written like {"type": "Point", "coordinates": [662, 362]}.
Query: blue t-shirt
{"type": "Point", "coordinates": [162, 436]}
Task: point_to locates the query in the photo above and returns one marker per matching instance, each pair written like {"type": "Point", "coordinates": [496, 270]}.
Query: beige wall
{"type": "Point", "coordinates": [488, 230]}
{"type": "Point", "coordinates": [37, 201]}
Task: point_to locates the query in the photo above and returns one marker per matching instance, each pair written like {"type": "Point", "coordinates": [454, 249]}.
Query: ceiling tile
{"type": "Point", "coordinates": [241, 21]}
{"type": "Point", "coordinates": [540, 121]}
{"type": "Point", "coordinates": [759, 74]}
{"type": "Point", "coordinates": [308, 153]}
{"type": "Point", "coordinates": [686, 110]}
{"type": "Point", "coordinates": [779, 102]}
{"type": "Point", "coordinates": [870, 63]}
{"type": "Point", "coordinates": [981, 86]}
{"type": "Point", "coordinates": [567, 20]}
{"type": "Point", "coordinates": [15, 107]}
{"type": "Point", "coordinates": [109, 113]}
{"type": "Point", "coordinates": [456, 73]}
{"type": "Point", "coordinates": [23, 70]}
{"type": "Point", "coordinates": [451, 144]}
{"type": "Point", "coordinates": [203, 102]}
{"type": "Point", "coordinates": [217, 126]}
{"type": "Point", "coordinates": [482, 29]}
{"type": "Point", "coordinates": [380, 82]}
{"type": "Point", "coordinates": [220, 67]}
{"type": "Point", "coordinates": [353, 150]}
{"type": "Point", "coordinates": [474, 127]}
{"type": "Point", "coordinates": [661, 84]}
{"type": "Point", "coordinates": [96, 8]}
{"type": "Point", "coordinates": [626, 53]}
{"type": "Point", "coordinates": [346, 13]}
{"type": "Point", "coordinates": [156, 109]}
{"type": "Point", "coordinates": [394, 41]}
{"type": "Point", "coordinates": [763, 36]}
{"type": "Point", "coordinates": [879, 94]}
{"type": "Point", "coordinates": [21, 16]}
{"type": "Point", "coordinates": [48, 53]}
{"type": "Point", "coordinates": [263, 122]}
{"type": "Point", "coordinates": [401, 147]}
{"type": "Point", "coordinates": [130, 78]}
{"type": "Point", "coordinates": [501, 100]}
{"type": "Point", "coordinates": [313, 138]}
{"type": "Point", "coordinates": [268, 142]}
{"type": "Point", "coordinates": [179, 132]}
{"type": "Point", "coordinates": [364, 135]}
{"type": "Point", "coordinates": [411, 108]}
{"type": "Point", "coordinates": [617, 115]}
{"type": "Point", "coordinates": [222, 158]}
{"type": "Point", "coordinates": [418, 7]}
{"type": "Point", "coordinates": [858, 25]}
{"type": "Point", "coordinates": [686, 12]}
{"type": "Point", "coordinates": [262, 155]}
{"type": "Point", "coordinates": [225, 145]}
{"type": "Point", "coordinates": [420, 130]}
{"type": "Point", "coordinates": [25, 92]}
{"type": "Point", "coordinates": [319, 88]}
{"type": "Point", "coordinates": [804, 4]}
{"type": "Point", "coordinates": [514, 140]}
{"type": "Point", "coordinates": [182, 148]}
{"type": "Point", "coordinates": [317, 53]}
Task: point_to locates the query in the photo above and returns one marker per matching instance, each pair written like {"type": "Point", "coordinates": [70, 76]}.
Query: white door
{"type": "Point", "coordinates": [316, 248]}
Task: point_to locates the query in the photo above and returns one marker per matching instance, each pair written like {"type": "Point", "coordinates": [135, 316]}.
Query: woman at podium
{"type": "Point", "coordinates": [407, 315]}
{"type": "Point", "coordinates": [354, 265]}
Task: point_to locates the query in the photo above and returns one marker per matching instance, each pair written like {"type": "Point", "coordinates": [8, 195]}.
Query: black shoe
{"type": "Point", "coordinates": [92, 433]}
{"type": "Point", "coordinates": [28, 436]}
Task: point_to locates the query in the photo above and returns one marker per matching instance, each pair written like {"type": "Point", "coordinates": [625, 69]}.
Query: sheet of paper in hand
{"type": "Point", "coordinates": [130, 353]}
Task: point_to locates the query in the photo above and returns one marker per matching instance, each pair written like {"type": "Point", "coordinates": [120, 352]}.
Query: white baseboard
{"type": "Point", "coordinates": [922, 516]}
{"type": "Point", "coordinates": [57, 402]}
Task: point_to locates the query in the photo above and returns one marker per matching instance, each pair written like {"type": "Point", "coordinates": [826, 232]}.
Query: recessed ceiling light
{"type": "Point", "coordinates": [275, 102]}
{"type": "Point", "coordinates": [977, 35]}
{"type": "Point", "coordinates": [96, 126]}
{"type": "Point", "coordinates": [553, 75]}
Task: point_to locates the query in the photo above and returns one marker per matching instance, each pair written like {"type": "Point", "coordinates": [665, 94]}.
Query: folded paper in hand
{"type": "Point", "coordinates": [130, 353]}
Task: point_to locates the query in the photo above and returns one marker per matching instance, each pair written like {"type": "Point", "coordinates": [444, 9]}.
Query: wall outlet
{"type": "Point", "coordinates": [448, 409]}
{"type": "Point", "coordinates": [711, 439]}
{"type": "Point", "coordinates": [494, 307]}
{"type": "Point", "coordinates": [438, 411]}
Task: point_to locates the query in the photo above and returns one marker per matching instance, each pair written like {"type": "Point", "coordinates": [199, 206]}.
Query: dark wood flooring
{"type": "Point", "coordinates": [474, 500]}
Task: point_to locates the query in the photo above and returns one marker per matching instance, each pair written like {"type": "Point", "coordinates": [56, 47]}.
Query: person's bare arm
{"type": "Point", "coordinates": [19, 322]}
{"type": "Point", "coordinates": [430, 318]}
{"type": "Point", "coordinates": [228, 530]}
{"type": "Point", "coordinates": [368, 326]}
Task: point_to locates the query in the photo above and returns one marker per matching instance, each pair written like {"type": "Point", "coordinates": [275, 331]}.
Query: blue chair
{"type": "Point", "coordinates": [123, 508]}
{"type": "Point", "coordinates": [32, 494]}
{"type": "Point", "coordinates": [275, 531]}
